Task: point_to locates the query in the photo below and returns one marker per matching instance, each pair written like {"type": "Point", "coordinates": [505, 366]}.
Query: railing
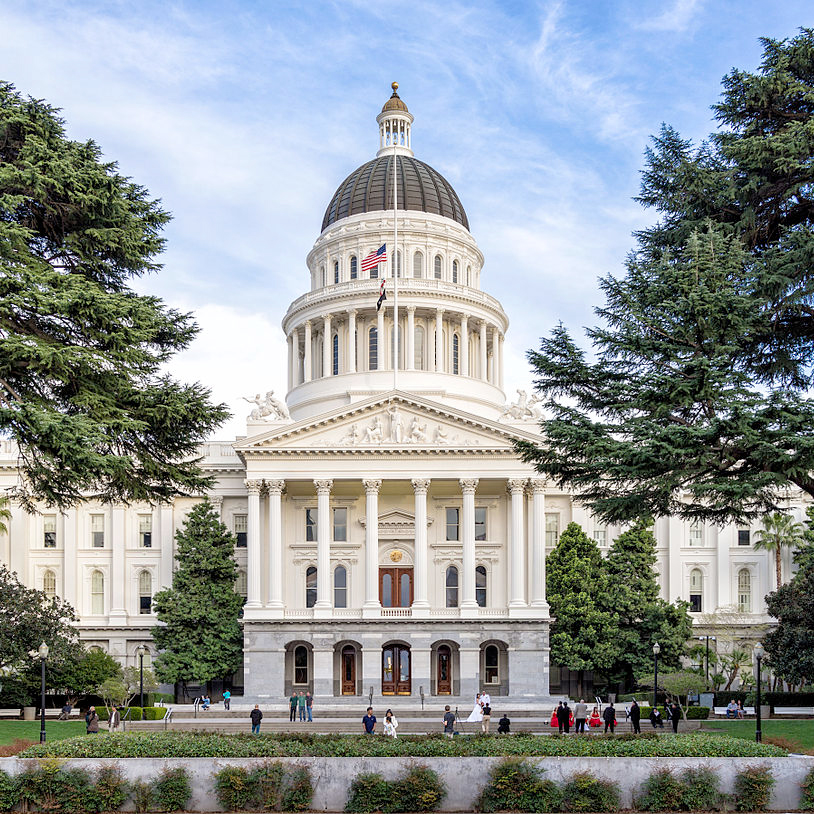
{"type": "Point", "coordinates": [397, 612]}
{"type": "Point", "coordinates": [167, 718]}
{"type": "Point", "coordinates": [125, 718]}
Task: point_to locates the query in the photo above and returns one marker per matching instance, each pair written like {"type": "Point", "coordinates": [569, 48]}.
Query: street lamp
{"type": "Point", "coordinates": [43, 654]}
{"type": "Point", "coordinates": [656, 651]}
{"type": "Point", "coordinates": [759, 653]}
{"type": "Point", "coordinates": [706, 657]}
{"type": "Point", "coordinates": [141, 651]}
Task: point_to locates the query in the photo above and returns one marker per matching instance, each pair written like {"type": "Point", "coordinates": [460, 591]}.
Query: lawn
{"type": "Point", "coordinates": [800, 732]}
{"type": "Point", "coordinates": [30, 730]}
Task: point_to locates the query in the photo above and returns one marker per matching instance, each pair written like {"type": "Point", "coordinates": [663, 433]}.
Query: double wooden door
{"type": "Point", "coordinates": [396, 587]}
{"type": "Point", "coordinates": [348, 671]}
{"type": "Point", "coordinates": [396, 670]}
{"type": "Point", "coordinates": [444, 676]}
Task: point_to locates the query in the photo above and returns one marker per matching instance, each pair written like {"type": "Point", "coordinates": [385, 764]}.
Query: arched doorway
{"type": "Point", "coordinates": [396, 676]}
{"type": "Point", "coordinates": [348, 668]}
{"type": "Point", "coordinates": [444, 670]}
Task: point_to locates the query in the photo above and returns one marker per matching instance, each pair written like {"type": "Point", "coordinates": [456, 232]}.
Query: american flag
{"type": "Point", "coordinates": [374, 258]}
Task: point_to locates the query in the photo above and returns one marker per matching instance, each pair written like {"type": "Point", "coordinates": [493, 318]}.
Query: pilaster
{"type": "Point", "coordinates": [275, 531]}
{"type": "Point", "coordinates": [372, 606]}
{"type": "Point", "coordinates": [421, 605]}
{"type": "Point", "coordinates": [469, 604]}
{"type": "Point", "coordinates": [323, 607]}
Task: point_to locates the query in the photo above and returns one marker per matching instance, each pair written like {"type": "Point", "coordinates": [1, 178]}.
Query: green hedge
{"type": "Point", "coordinates": [788, 699]}
{"type": "Point", "coordinates": [420, 789]}
{"type": "Point", "coordinates": [697, 713]}
{"type": "Point", "coordinates": [205, 744]}
{"type": "Point", "coordinates": [722, 698]}
{"type": "Point", "coordinates": [271, 787]}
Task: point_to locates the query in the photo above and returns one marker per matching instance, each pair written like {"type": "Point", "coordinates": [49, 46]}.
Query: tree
{"type": "Point", "coordinates": [81, 354]}
{"type": "Point", "coordinates": [698, 404]}
{"type": "Point", "coordinates": [680, 684]}
{"type": "Point", "coordinates": [201, 638]}
{"type": "Point", "coordinates": [5, 514]}
{"type": "Point", "coordinates": [583, 636]}
{"type": "Point", "coordinates": [779, 531]}
{"type": "Point", "coordinates": [643, 616]}
{"type": "Point", "coordinates": [82, 676]}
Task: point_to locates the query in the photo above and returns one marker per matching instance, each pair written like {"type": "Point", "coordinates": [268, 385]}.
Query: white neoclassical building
{"type": "Point", "coordinates": [387, 535]}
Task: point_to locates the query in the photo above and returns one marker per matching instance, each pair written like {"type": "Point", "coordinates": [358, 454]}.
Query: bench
{"type": "Point", "coordinates": [55, 713]}
{"type": "Point", "coordinates": [10, 713]}
{"type": "Point", "coordinates": [722, 711]}
{"type": "Point", "coordinates": [794, 710]}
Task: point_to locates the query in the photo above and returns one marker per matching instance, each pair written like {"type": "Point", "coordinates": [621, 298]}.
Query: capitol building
{"type": "Point", "coordinates": [388, 537]}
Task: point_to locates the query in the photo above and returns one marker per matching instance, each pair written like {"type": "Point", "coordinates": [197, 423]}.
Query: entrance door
{"type": "Point", "coordinates": [444, 670]}
{"type": "Point", "coordinates": [396, 587]}
{"type": "Point", "coordinates": [348, 670]}
{"type": "Point", "coordinates": [396, 670]}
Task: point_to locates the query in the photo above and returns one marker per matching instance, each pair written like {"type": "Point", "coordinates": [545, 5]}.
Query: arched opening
{"type": "Point", "coordinates": [49, 584]}
{"type": "Point", "coordinates": [455, 348]}
{"type": "Point", "coordinates": [445, 668]}
{"type": "Point", "coordinates": [299, 667]}
{"type": "Point", "coordinates": [696, 590]}
{"type": "Point", "coordinates": [454, 271]}
{"type": "Point", "coordinates": [480, 585]}
{"type": "Point", "coordinates": [418, 264]}
{"type": "Point", "coordinates": [340, 587]}
{"type": "Point", "coordinates": [336, 272]}
{"type": "Point", "coordinates": [372, 349]}
{"type": "Point", "coordinates": [396, 669]}
{"type": "Point", "coordinates": [494, 667]}
{"type": "Point", "coordinates": [145, 592]}
{"type": "Point", "coordinates": [437, 267]}
{"type": "Point", "coordinates": [335, 355]}
{"type": "Point", "coordinates": [242, 585]}
{"type": "Point", "coordinates": [744, 591]}
{"type": "Point", "coordinates": [347, 668]}
{"type": "Point", "coordinates": [310, 586]}
{"type": "Point", "coordinates": [354, 269]}
{"type": "Point", "coordinates": [452, 587]}
{"type": "Point", "coordinates": [418, 355]}
{"type": "Point", "coordinates": [322, 275]}
{"type": "Point", "coordinates": [97, 593]}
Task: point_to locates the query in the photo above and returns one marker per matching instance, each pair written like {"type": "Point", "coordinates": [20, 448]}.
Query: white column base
{"type": "Point", "coordinates": [323, 611]}
{"type": "Point", "coordinates": [524, 612]}
{"type": "Point", "coordinates": [371, 611]}
{"type": "Point", "coordinates": [470, 611]}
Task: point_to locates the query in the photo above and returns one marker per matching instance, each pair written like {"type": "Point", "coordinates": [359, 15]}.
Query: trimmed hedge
{"type": "Point", "coordinates": [516, 785]}
{"type": "Point", "coordinates": [697, 713]}
{"type": "Point", "coordinates": [722, 698]}
{"type": "Point", "coordinates": [419, 790]}
{"type": "Point", "coordinates": [270, 787]}
{"type": "Point", "coordinates": [788, 699]}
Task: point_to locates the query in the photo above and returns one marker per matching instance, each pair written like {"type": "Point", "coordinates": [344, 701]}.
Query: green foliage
{"type": "Point", "coordinates": [201, 637]}
{"type": "Point", "coordinates": [583, 792]}
{"type": "Point", "coordinates": [83, 390]}
{"type": "Point", "coordinates": [753, 789]}
{"type": "Point", "coordinates": [270, 787]}
{"type": "Point", "coordinates": [51, 788]}
{"type": "Point", "coordinates": [142, 796]}
{"type": "Point", "coordinates": [662, 791]}
{"type": "Point", "coordinates": [234, 788]}
{"type": "Point", "coordinates": [368, 792]}
{"type": "Point", "coordinates": [269, 779]}
{"type": "Point", "coordinates": [779, 531]}
{"type": "Point", "coordinates": [806, 795]}
{"type": "Point", "coordinates": [8, 792]}
{"type": "Point", "coordinates": [111, 788]}
{"type": "Point", "coordinates": [701, 790]}
{"type": "Point", "coordinates": [517, 785]}
{"type": "Point", "coordinates": [420, 789]}
{"type": "Point", "coordinates": [678, 684]}
{"type": "Point", "coordinates": [83, 675]}
{"type": "Point", "coordinates": [697, 713]}
{"type": "Point", "coordinates": [172, 789]}
{"type": "Point", "coordinates": [5, 513]}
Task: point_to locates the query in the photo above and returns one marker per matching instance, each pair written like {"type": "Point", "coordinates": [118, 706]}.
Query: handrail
{"type": "Point", "coordinates": [124, 719]}
{"type": "Point", "coordinates": [167, 718]}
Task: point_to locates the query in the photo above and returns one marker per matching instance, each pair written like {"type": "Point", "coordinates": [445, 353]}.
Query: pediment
{"type": "Point", "coordinates": [395, 424]}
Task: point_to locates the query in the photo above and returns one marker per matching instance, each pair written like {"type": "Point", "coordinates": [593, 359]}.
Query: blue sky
{"type": "Point", "coordinates": [243, 117]}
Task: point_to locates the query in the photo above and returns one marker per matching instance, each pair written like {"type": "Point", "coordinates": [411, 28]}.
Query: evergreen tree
{"type": "Point", "coordinates": [81, 354]}
{"type": "Point", "coordinates": [643, 616]}
{"type": "Point", "coordinates": [201, 638]}
{"type": "Point", "coordinates": [583, 636]}
{"type": "Point", "coordinates": [779, 531]}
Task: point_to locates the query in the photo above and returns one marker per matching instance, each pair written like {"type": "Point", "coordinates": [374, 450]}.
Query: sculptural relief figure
{"type": "Point", "coordinates": [519, 409]}
{"type": "Point", "coordinates": [373, 434]}
{"type": "Point", "coordinates": [418, 431]}
{"type": "Point", "coordinates": [535, 407]}
{"type": "Point", "coordinates": [268, 407]}
{"type": "Point", "coordinates": [396, 426]}
{"type": "Point", "coordinates": [352, 438]}
{"type": "Point", "coordinates": [441, 436]}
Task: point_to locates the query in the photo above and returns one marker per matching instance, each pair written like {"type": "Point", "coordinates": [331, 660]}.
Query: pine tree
{"type": "Point", "coordinates": [82, 390]}
{"type": "Point", "coordinates": [201, 638]}
{"type": "Point", "coordinates": [583, 636]}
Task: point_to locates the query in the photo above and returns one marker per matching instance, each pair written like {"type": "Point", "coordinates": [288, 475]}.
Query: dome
{"type": "Point", "coordinates": [394, 102]}
{"type": "Point", "coordinates": [370, 189]}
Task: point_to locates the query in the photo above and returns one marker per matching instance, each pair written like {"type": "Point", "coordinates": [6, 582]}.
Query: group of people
{"type": "Point", "coordinates": [564, 717]}
{"type": "Point", "coordinates": [482, 711]}
{"type": "Point", "coordinates": [735, 709]}
{"type": "Point", "coordinates": [300, 703]}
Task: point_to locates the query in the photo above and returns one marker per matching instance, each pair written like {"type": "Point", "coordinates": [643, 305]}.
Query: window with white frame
{"type": "Point", "coordinates": [242, 584]}
{"type": "Point", "coordinates": [696, 539]}
{"type": "Point", "coordinates": [418, 265]}
{"type": "Point", "coordinates": [372, 349]}
{"type": "Point", "coordinates": [480, 586]}
{"type": "Point", "coordinates": [696, 590]}
{"type": "Point", "coordinates": [97, 530]}
{"type": "Point", "coordinates": [453, 524]}
{"type": "Point", "coordinates": [437, 267]}
{"type": "Point", "coordinates": [454, 271]}
{"type": "Point", "coordinates": [552, 529]}
{"type": "Point", "coordinates": [311, 525]}
{"type": "Point", "coordinates": [455, 343]}
{"type": "Point", "coordinates": [241, 527]}
{"type": "Point", "coordinates": [97, 593]}
{"type": "Point", "coordinates": [335, 355]}
{"type": "Point", "coordinates": [601, 535]}
{"type": "Point", "coordinates": [49, 583]}
{"type": "Point", "coordinates": [340, 587]}
{"type": "Point", "coordinates": [418, 349]}
{"type": "Point", "coordinates": [145, 530]}
{"type": "Point", "coordinates": [744, 591]}
{"type": "Point", "coordinates": [353, 268]}
{"type": "Point", "coordinates": [451, 585]}
{"type": "Point", "coordinates": [340, 524]}
{"type": "Point", "coordinates": [145, 593]}
{"type": "Point", "coordinates": [310, 586]}
{"type": "Point", "coordinates": [49, 531]}
{"type": "Point", "coordinates": [480, 523]}
{"type": "Point", "coordinates": [336, 272]}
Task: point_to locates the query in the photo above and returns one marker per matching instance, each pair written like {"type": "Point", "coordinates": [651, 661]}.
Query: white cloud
{"type": "Point", "coordinates": [676, 17]}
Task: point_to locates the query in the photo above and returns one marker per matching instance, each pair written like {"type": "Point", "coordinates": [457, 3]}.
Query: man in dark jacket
{"type": "Point", "coordinates": [635, 717]}
{"type": "Point", "coordinates": [609, 716]}
{"type": "Point", "coordinates": [256, 715]}
{"type": "Point", "coordinates": [560, 716]}
{"type": "Point", "coordinates": [675, 715]}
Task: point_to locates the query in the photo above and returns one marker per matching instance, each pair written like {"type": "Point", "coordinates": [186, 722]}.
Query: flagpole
{"type": "Point", "coordinates": [396, 267]}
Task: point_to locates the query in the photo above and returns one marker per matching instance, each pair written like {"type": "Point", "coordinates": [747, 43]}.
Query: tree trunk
{"type": "Point", "coordinates": [580, 682]}
{"type": "Point", "coordinates": [778, 565]}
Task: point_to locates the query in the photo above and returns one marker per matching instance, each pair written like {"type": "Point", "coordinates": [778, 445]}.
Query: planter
{"type": "Point", "coordinates": [29, 713]}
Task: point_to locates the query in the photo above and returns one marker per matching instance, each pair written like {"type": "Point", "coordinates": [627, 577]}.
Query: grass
{"type": "Point", "coordinates": [11, 731]}
{"type": "Point", "coordinates": [798, 736]}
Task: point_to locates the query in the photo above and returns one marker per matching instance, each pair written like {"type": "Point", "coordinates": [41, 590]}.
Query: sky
{"type": "Point", "coordinates": [244, 117]}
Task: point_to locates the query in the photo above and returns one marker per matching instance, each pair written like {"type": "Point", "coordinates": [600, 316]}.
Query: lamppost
{"type": "Point", "coordinates": [759, 653]}
{"type": "Point", "coordinates": [706, 657]}
{"type": "Point", "coordinates": [656, 651]}
{"type": "Point", "coordinates": [141, 651]}
{"type": "Point", "coordinates": [43, 654]}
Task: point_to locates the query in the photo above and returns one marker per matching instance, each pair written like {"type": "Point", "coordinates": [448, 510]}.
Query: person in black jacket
{"type": "Point", "coordinates": [635, 717]}
{"type": "Point", "coordinates": [655, 718]}
{"type": "Point", "coordinates": [504, 725]}
{"type": "Point", "coordinates": [609, 715]}
{"type": "Point", "coordinates": [675, 715]}
{"type": "Point", "coordinates": [256, 715]}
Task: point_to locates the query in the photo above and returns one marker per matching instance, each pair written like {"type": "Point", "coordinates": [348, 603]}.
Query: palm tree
{"type": "Point", "coordinates": [779, 531]}
{"type": "Point", "coordinates": [5, 513]}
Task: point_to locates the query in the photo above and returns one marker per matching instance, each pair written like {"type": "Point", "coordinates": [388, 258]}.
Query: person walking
{"type": "Point", "coordinates": [487, 716]}
{"type": "Point", "coordinates": [449, 722]}
{"type": "Point", "coordinates": [227, 699]}
{"type": "Point", "coordinates": [580, 716]}
{"type": "Point", "coordinates": [635, 717]}
{"type": "Point", "coordinates": [256, 715]}
{"type": "Point", "coordinates": [292, 706]}
{"type": "Point", "coordinates": [301, 705]}
{"type": "Point", "coordinates": [309, 702]}
{"type": "Point", "coordinates": [369, 722]}
{"type": "Point", "coordinates": [91, 721]}
{"type": "Point", "coordinates": [675, 716]}
{"type": "Point", "coordinates": [114, 720]}
{"type": "Point", "coordinates": [609, 716]}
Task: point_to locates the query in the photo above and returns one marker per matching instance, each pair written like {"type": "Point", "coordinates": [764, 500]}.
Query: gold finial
{"type": "Point", "coordinates": [395, 86]}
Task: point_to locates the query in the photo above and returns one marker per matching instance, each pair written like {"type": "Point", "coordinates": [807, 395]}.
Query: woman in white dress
{"type": "Point", "coordinates": [390, 724]}
{"type": "Point", "coordinates": [476, 716]}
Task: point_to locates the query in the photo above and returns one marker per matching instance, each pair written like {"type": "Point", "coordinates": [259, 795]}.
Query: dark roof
{"type": "Point", "coordinates": [370, 189]}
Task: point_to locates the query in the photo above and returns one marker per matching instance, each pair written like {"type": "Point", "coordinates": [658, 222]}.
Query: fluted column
{"type": "Point", "coordinates": [118, 611]}
{"type": "Point", "coordinates": [500, 360]}
{"type": "Point", "coordinates": [350, 365]}
{"type": "Point", "coordinates": [275, 523]}
{"type": "Point", "coordinates": [167, 544]}
{"type": "Point", "coordinates": [464, 346]}
{"type": "Point", "coordinates": [468, 487]}
{"type": "Point", "coordinates": [420, 487]}
{"type": "Point", "coordinates": [324, 534]}
{"type": "Point", "coordinates": [381, 346]}
{"type": "Point", "coordinates": [372, 603]}
{"type": "Point", "coordinates": [410, 337]}
{"type": "Point", "coordinates": [253, 552]}
{"type": "Point", "coordinates": [495, 360]}
{"type": "Point", "coordinates": [517, 597]}
{"type": "Point", "coordinates": [290, 341]}
{"type": "Point", "coordinates": [439, 340]}
{"type": "Point", "coordinates": [306, 363]}
{"type": "Point", "coordinates": [327, 355]}
{"type": "Point", "coordinates": [483, 373]}
{"type": "Point", "coordinates": [538, 543]}
{"type": "Point", "coordinates": [69, 557]}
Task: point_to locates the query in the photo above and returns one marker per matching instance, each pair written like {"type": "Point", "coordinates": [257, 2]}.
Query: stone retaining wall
{"type": "Point", "coordinates": [464, 777]}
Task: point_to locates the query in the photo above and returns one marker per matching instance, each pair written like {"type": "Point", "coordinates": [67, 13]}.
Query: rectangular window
{"type": "Point", "coordinates": [242, 530]}
{"type": "Point", "coordinates": [601, 536]}
{"type": "Point", "coordinates": [696, 535]}
{"type": "Point", "coordinates": [743, 537]}
{"type": "Point", "coordinates": [49, 531]}
{"type": "Point", "coordinates": [145, 604]}
{"type": "Point", "coordinates": [695, 603]}
{"type": "Point", "coordinates": [97, 530]}
{"type": "Point", "coordinates": [145, 531]}
{"type": "Point", "coordinates": [340, 526]}
{"type": "Point", "coordinates": [452, 524]}
{"type": "Point", "coordinates": [310, 525]}
{"type": "Point", "coordinates": [552, 530]}
{"type": "Point", "coordinates": [480, 523]}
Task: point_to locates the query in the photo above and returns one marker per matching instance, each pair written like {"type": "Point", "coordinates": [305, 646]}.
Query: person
{"type": "Point", "coordinates": [562, 717]}
{"type": "Point", "coordinates": [675, 715]}
{"type": "Point", "coordinates": [256, 715]}
{"type": "Point", "coordinates": [580, 715]}
{"type": "Point", "coordinates": [487, 716]}
{"type": "Point", "coordinates": [731, 709]}
{"type": "Point", "coordinates": [595, 720]}
{"type": "Point", "coordinates": [301, 705]}
{"type": "Point", "coordinates": [65, 712]}
{"type": "Point", "coordinates": [568, 717]}
{"type": "Point", "coordinates": [609, 716]}
{"type": "Point", "coordinates": [635, 717]}
{"type": "Point", "coordinates": [390, 724]}
{"type": "Point", "coordinates": [205, 703]}
{"type": "Point", "coordinates": [476, 716]}
{"type": "Point", "coordinates": [369, 722]}
{"type": "Point", "coordinates": [292, 706]}
{"type": "Point", "coordinates": [555, 718]}
{"type": "Point", "coordinates": [485, 699]}
{"type": "Point", "coordinates": [656, 719]}
{"type": "Point", "coordinates": [91, 721]}
{"type": "Point", "coordinates": [114, 720]}
{"type": "Point", "coordinates": [309, 702]}
{"type": "Point", "coordinates": [741, 713]}
{"type": "Point", "coordinates": [504, 725]}
{"type": "Point", "coordinates": [227, 699]}
{"type": "Point", "coordinates": [449, 722]}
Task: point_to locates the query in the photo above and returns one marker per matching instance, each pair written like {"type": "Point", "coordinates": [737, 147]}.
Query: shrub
{"type": "Point", "coordinates": [142, 796]}
{"type": "Point", "coordinates": [583, 792]}
{"type": "Point", "coordinates": [662, 791]}
{"type": "Point", "coordinates": [234, 788]}
{"type": "Point", "coordinates": [697, 713]}
{"type": "Point", "coordinates": [298, 790]}
{"type": "Point", "coordinates": [723, 697]}
{"type": "Point", "coordinates": [420, 789]}
{"type": "Point", "coordinates": [789, 699]}
{"type": "Point", "coordinates": [111, 788]}
{"type": "Point", "coordinates": [807, 789]}
{"type": "Point", "coordinates": [172, 790]}
{"type": "Point", "coordinates": [268, 783]}
{"type": "Point", "coordinates": [368, 793]}
{"type": "Point", "coordinates": [49, 788]}
{"type": "Point", "coordinates": [8, 792]}
{"type": "Point", "coordinates": [132, 714]}
{"type": "Point", "coordinates": [516, 785]}
{"type": "Point", "coordinates": [701, 790]}
{"type": "Point", "coordinates": [753, 789]}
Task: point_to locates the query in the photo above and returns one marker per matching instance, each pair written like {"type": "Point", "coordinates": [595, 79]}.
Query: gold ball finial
{"type": "Point", "coordinates": [395, 86]}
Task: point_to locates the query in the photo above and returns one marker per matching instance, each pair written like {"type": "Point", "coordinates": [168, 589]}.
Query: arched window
{"type": "Point", "coordinates": [49, 584]}
{"type": "Point", "coordinates": [744, 591]}
{"type": "Point", "coordinates": [398, 263]}
{"type": "Point", "coordinates": [491, 663]}
{"type": "Point", "coordinates": [335, 355]}
{"type": "Point", "coordinates": [418, 355]}
{"type": "Point", "coordinates": [372, 350]}
{"type": "Point", "coordinates": [452, 587]}
{"type": "Point", "coordinates": [301, 664]}
{"type": "Point", "coordinates": [455, 353]}
{"type": "Point", "coordinates": [418, 265]}
{"type": "Point", "coordinates": [340, 587]}
{"type": "Point", "coordinates": [480, 586]}
{"type": "Point", "coordinates": [468, 279]}
{"type": "Point", "coordinates": [696, 590]}
{"type": "Point", "coordinates": [310, 587]}
{"type": "Point", "coordinates": [454, 271]}
{"type": "Point", "coordinates": [437, 267]}
{"type": "Point", "coordinates": [145, 592]}
{"type": "Point", "coordinates": [242, 584]}
{"type": "Point", "coordinates": [97, 593]}
{"type": "Point", "coordinates": [322, 275]}
{"type": "Point", "coordinates": [336, 271]}
{"type": "Point", "coordinates": [353, 267]}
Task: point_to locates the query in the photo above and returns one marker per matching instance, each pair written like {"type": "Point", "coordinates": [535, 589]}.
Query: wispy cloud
{"type": "Point", "coordinates": [676, 17]}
